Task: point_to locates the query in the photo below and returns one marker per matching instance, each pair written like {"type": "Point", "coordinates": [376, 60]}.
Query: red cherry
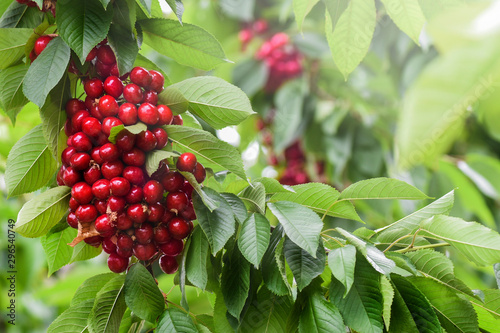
{"type": "Point", "coordinates": [157, 81]}
{"type": "Point", "coordinates": [82, 192]}
{"type": "Point", "coordinates": [112, 169]}
{"type": "Point", "coordinates": [116, 204]}
{"type": "Point", "coordinates": [135, 195]}
{"type": "Point", "coordinates": [145, 251]}
{"type": "Point", "coordinates": [186, 162]}
{"type": "Point", "coordinates": [108, 246]}
{"type": "Point", "coordinates": [189, 213]}
{"type": "Point", "coordinates": [72, 220]}
{"type": "Point", "coordinates": [146, 141]}
{"type": "Point", "coordinates": [91, 126]}
{"type": "Point", "coordinates": [172, 181]}
{"type": "Point", "coordinates": [177, 201]}
{"type": "Point", "coordinates": [161, 234]}
{"type": "Point", "coordinates": [94, 241]}
{"type": "Point", "coordinates": [68, 129]}
{"type": "Point", "coordinates": [172, 248]}
{"type": "Point", "coordinates": [92, 54]}
{"type": "Point", "coordinates": [70, 177]}
{"type": "Point", "coordinates": [144, 233]}
{"type": "Point", "coordinates": [137, 213]}
{"type": "Point", "coordinates": [109, 152]}
{"type": "Point", "coordinates": [102, 69]}
{"type": "Point", "coordinates": [148, 113]}
{"type": "Point", "coordinates": [113, 86]}
{"type": "Point", "coordinates": [92, 174]}
{"type": "Point", "coordinates": [169, 264]}
{"type": "Point", "coordinates": [245, 36]}
{"type": "Point", "coordinates": [141, 76]}
{"type": "Point", "coordinates": [179, 228]}
{"type": "Point", "coordinates": [108, 106]}
{"type": "Point", "coordinates": [200, 173]}
{"type": "Point", "coordinates": [125, 140]}
{"type": "Point", "coordinates": [124, 253]}
{"type": "Point", "coordinates": [132, 93]}
{"type": "Point", "coordinates": [153, 192]}
{"type": "Point", "coordinates": [81, 142]}
{"type": "Point", "coordinates": [41, 43]}
{"type": "Point", "coordinates": [134, 175]}
{"type": "Point", "coordinates": [76, 121]}
{"type": "Point", "coordinates": [66, 155]}
{"type": "Point", "coordinates": [101, 206]}
{"type": "Point", "coordinates": [156, 212]}
{"type": "Point", "coordinates": [165, 115]}
{"type": "Point", "coordinates": [73, 106]}
{"type": "Point", "coordinates": [33, 56]}
{"type": "Point", "coordinates": [260, 26]}
{"type": "Point", "coordinates": [117, 264]}
{"type": "Point", "coordinates": [128, 113]}
{"type": "Point", "coordinates": [167, 217]}
{"type": "Point", "coordinates": [134, 157]}
{"type": "Point", "coordinates": [161, 137]}
{"type": "Point", "coordinates": [104, 226]}
{"type": "Point", "coordinates": [150, 96]}
{"type": "Point", "coordinates": [73, 204]}
{"type": "Point", "coordinates": [279, 40]}
{"type": "Point", "coordinates": [93, 88]}
{"type": "Point", "coordinates": [80, 161]}
{"type": "Point", "coordinates": [187, 188]}
{"type": "Point", "coordinates": [96, 156]}
{"type": "Point", "coordinates": [119, 186]}
{"type": "Point", "coordinates": [86, 213]}
{"type": "Point", "coordinates": [123, 222]}
{"type": "Point", "coordinates": [177, 120]}
{"type": "Point", "coordinates": [106, 55]}
{"type": "Point", "coordinates": [124, 241]}
{"type": "Point", "coordinates": [101, 189]}
{"type": "Point", "coordinates": [59, 177]}
{"type": "Point", "coordinates": [108, 123]}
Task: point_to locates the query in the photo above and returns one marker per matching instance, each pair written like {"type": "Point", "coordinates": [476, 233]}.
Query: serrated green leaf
{"type": "Point", "coordinates": [410, 223]}
{"type": "Point", "coordinates": [83, 251]}
{"type": "Point", "coordinates": [362, 307]}
{"type": "Point", "coordinates": [382, 188]}
{"type": "Point", "coordinates": [255, 197]}
{"type": "Point", "coordinates": [177, 7]}
{"type": "Point", "coordinates": [345, 210]}
{"type": "Point", "coordinates": [175, 320]}
{"type": "Point", "coordinates": [407, 15]}
{"type": "Point", "coordinates": [301, 8]}
{"type": "Point", "coordinates": [89, 289]}
{"type": "Point", "coordinates": [237, 205]}
{"type": "Point", "coordinates": [455, 314]}
{"type": "Point", "coordinates": [254, 238]}
{"type": "Point", "coordinates": [214, 100]}
{"type": "Point", "coordinates": [21, 16]}
{"type": "Point", "coordinates": [74, 319]}
{"type": "Point", "coordinates": [109, 307]}
{"type": "Point", "coordinates": [146, 4]}
{"type": "Point", "coordinates": [30, 164]}
{"type": "Point", "coordinates": [43, 212]}
{"type": "Point", "coordinates": [401, 317]}
{"type": "Point", "coordinates": [220, 315]}
{"type": "Point", "coordinates": [235, 281]}
{"type": "Point", "coordinates": [342, 262]}
{"type": "Point", "coordinates": [12, 99]}
{"type": "Point", "coordinates": [353, 33]}
{"type": "Point", "coordinates": [488, 313]}
{"type": "Point", "coordinates": [56, 248]}
{"type": "Point", "coordinates": [154, 158]}
{"type": "Point", "coordinates": [82, 24]}
{"type": "Point", "coordinates": [209, 150]}
{"type": "Point", "coordinates": [142, 294]}
{"type": "Point", "coordinates": [196, 260]}
{"type": "Point", "coordinates": [187, 44]}
{"type": "Point", "coordinates": [301, 224]}
{"type": "Point", "coordinates": [273, 186]}
{"type": "Point", "coordinates": [478, 243]}
{"type": "Point", "coordinates": [320, 316]}
{"type": "Point", "coordinates": [12, 43]}
{"type": "Point", "coordinates": [219, 224]}
{"type": "Point", "coordinates": [335, 9]}
{"type": "Point", "coordinates": [271, 274]}
{"type": "Point", "coordinates": [209, 202]}
{"type": "Point", "coordinates": [304, 267]}
{"type": "Point", "coordinates": [134, 129]}
{"type": "Point", "coordinates": [121, 36]}
{"type": "Point", "coordinates": [46, 71]}
{"type": "Point", "coordinates": [388, 297]}
{"type": "Point", "coordinates": [182, 275]}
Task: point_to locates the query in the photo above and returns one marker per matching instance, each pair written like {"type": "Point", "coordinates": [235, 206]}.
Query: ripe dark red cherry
{"type": "Point", "coordinates": [141, 76]}
{"type": "Point", "coordinates": [179, 228]}
{"type": "Point", "coordinates": [156, 212]}
{"type": "Point", "coordinates": [108, 246]}
{"type": "Point", "coordinates": [76, 121]}
{"type": "Point", "coordinates": [137, 213]}
{"type": "Point", "coordinates": [81, 142]}
{"type": "Point", "coordinates": [105, 55]}
{"type": "Point", "coordinates": [112, 169]}
{"type": "Point", "coordinates": [104, 226]}
{"type": "Point", "coordinates": [157, 81]}
{"type": "Point", "coordinates": [73, 204]}
{"type": "Point", "coordinates": [113, 86]}
{"type": "Point", "coordinates": [144, 251]}
{"type": "Point", "coordinates": [70, 177]}
{"type": "Point", "coordinates": [73, 106]}
{"type": "Point", "coordinates": [165, 115]}
{"type": "Point", "coordinates": [123, 222]}
{"type": "Point", "coordinates": [82, 192]}
{"type": "Point", "coordinates": [134, 175]}
{"type": "Point", "coordinates": [161, 137]}
{"type": "Point", "coordinates": [94, 241]}
{"type": "Point", "coordinates": [117, 264]}
{"type": "Point", "coordinates": [124, 253]}
{"type": "Point", "coordinates": [116, 204]}
{"type": "Point", "coordinates": [172, 181]}
{"type": "Point", "coordinates": [133, 93]}
{"type": "Point", "coordinates": [134, 157]}
{"type": "Point", "coordinates": [128, 113]}
{"type": "Point", "coordinates": [108, 123]}
{"type": "Point", "coordinates": [186, 162]}
{"type": "Point", "coordinates": [146, 141]}
{"type": "Point", "coordinates": [124, 241]}
{"type": "Point", "coordinates": [101, 206]}
{"type": "Point", "coordinates": [177, 120]}
{"type": "Point", "coordinates": [102, 69]}
{"type": "Point", "coordinates": [66, 155]}
{"type": "Point", "coordinates": [161, 234]}
{"type": "Point", "coordinates": [108, 106]}
{"type": "Point", "coordinates": [92, 174]}
{"type": "Point", "coordinates": [41, 43]}
{"type": "Point", "coordinates": [72, 220]}
{"type": "Point", "coordinates": [93, 88]}
{"type": "Point", "coordinates": [189, 213]}
{"type": "Point", "coordinates": [177, 201]}
{"type": "Point", "coordinates": [86, 213]}
{"type": "Point", "coordinates": [144, 233]}
{"type": "Point", "coordinates": [134, 195]}
{"type": "Point", "coordinates": [125, 140]}
{"type": "Point", "coordinates": [153, 192]}
{"type": "Point", "coordinates": [80, 161]}
{"type": "Point", "coordinates": [200, 173]}
{"type": "Point", "coordinates": [96, 156]}
{"type": "Point", "coordinates": [172, 248]}
{"type": "Point", "coordinates": [91, 126]}
{"type": "Point", "coordinates": [101, 189]}
{"type": "Point", "coordinates": [92, 54]}
{"type": "Point", "coordinates": [109, 152]}
{"type": "Point", "coordinates": [150, 97]}
{"type": "Point", "coordinates": [148, 113]}
{"type": "Point", "coordinates": [168, 264]}
{"type": "Point", "coordinates": [119, 186]}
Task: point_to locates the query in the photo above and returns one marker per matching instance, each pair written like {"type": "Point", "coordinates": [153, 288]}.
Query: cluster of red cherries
{"type": "Point", "coordinates": [47, 5]}
{"type": "Point", "coordinates": [114, 202]}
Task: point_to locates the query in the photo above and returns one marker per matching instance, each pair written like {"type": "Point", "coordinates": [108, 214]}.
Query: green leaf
{"type": "Point", "coordinates": [301, 224]}
{"type": "Point", "coordinates": [250, 75]}
{"type": "Point", "coordinates": [335, 9]}
{"type": "Point", "coordinates": [12, 99]}
{"type": "Point", "coordinates": [273, 186]}
{"type": "Point", "coordinates": [488, 313]}
{"type": "Point", "coordinates": [353, 33]}
{"type": "Point", "coordinates": [209, 150]}
{"type": "Point", "coordinates": [175, 320]}
{"type": "Point", "coordinates": [30, 164]}
{"type": "Point", "coordinates": [55, 245]}
{"type": "Point", "coordinates": [482, 170]}
{"type": "Point", "coordinates": [182, 275]}
{"type": "Point", "coordinates": [219, 224]}
{"type": "Point", "coordinates": [142, 61]}
{"type": "Point", "coordinates": [220, 315]}
{"type": "Point", "coordinates": [435, 265]}
{"type": "Point", "coordinates": [21, 16]}
{"type": "Point", "coordinates": [89, 289]}
{"type": "Point", "coordinates": [410, 223]}
{"type": "Point", "coordinates": [196, 261]}
{"type": "Point", "coordinates": [362, 307]}
{"type": "Point", "coordinates": [241, 10]}
{"type": "Point", "coordinates": [210, 203]}
{"type": "Point", "coordinates": [187, 44]}
{"type": "Point", "coordinates": [235, 281]}
{"type": "Point", "coordinates": [53, 116]}
{"type": "Point", "coordinates": [345, 210]}
{"type": "Point", "coordinates": [478, 243]}
{"type": "Point", "coordinates": [74, 319]}
{"type": "Point", "coordinates": [83, 251]}
{"type": "Point", "coordinates": [301, 8]}
{"type": "Point", "coordinates": [407, 15]}
{"type": "Point", "coordinates": [12, 42]}
{"type": "Point", "coordinates": [435, 106]}
{"type": "Point", "coordinates": [109, 307]}
{"type": "Point", "coordinates": [121, 36]}
{"type": "Point", "coordinates": [304, 267]}
{"type": "Point", "coordinates": [320, 316]}
{"type": "Point", "coordinates": [254, 238]}
{"type": "Point", "coordinates": [43, 212]}
{"type": "Point", "coordinates": [177, 7]}
{"type": "Point", "coordinates": [401, 317]}
{"type": "Point", "coordinates": [134, 129]}
{"type": "Point", "coordinates": [388, 297]}
{"type": "Point", "coordinates": [82, 24]}
{"type": "Point", "coordinates": [255, 196]}
{"type": "Point", "coordinates": [342, 262]}
{"type": "Point", "coordinates": [146, 4]}
{"type": "Point", "coordinates": [153, 159]}
{"type": "Point", "coordinates": [142, 294]}
{"type": "Point", "coordinates": [237, 205]}
{"type": "Point", "coordinates": [382, 188]}
{"type": "Point", "coordinates": [46, 71]}
{"type": "Point", "coordinates": [214, 100]}
{"type": "Point", "coordinates": [418, 305]}
{"type": "Point", "coordinates": [455, 314]}
{"type": "Point", "coordinates": [105, 3]}
{"type": "Point", "coordinates": [271, 274]}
